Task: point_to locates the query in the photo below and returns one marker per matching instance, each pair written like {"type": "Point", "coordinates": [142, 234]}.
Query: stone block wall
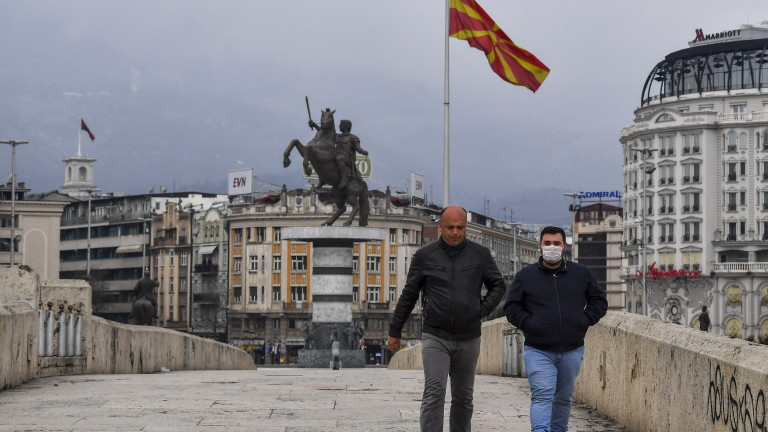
{"type": "Point", "coordinates": [107, 347]}
{"type": "Point", "coordinates": [18, 344]}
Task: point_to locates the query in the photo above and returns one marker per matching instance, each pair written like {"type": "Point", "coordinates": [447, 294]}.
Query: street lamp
{"type": "Point", "coordinates": [13, 144]}
{"type": "Point", "coordinates": [647, 170]}
{"type": "Point", "coordinates": [514, 247]}
{"type": "Point", "coordinates": [574, 208]}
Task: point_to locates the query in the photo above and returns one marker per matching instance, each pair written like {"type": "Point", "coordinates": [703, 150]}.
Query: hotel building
{"type": "Point", "coordinates": [695, 164]}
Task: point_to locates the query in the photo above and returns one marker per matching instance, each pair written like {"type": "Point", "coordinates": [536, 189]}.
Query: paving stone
{"type": "Point", "coordinates": [267, 400]}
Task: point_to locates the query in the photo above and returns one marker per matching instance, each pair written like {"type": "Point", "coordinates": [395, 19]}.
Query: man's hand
{"type": "Point", "coordinates": [393, 344]}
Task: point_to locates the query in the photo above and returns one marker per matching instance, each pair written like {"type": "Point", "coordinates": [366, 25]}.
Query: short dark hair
{"type": "Point", "coordinates": [552, 230]}
{"type": "Point", "coordinates": [703, 308]}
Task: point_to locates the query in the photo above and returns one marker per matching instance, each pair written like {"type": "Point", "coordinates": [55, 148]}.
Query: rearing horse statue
{"type": "Point", "coordinates": [319, 153]}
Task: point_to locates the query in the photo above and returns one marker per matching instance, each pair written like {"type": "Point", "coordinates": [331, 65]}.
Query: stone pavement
{"type": "Point", "coordinates": [264, 400]}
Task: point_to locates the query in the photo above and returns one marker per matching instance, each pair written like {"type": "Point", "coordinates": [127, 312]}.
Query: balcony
{"type": "Point", "coordinates": [731, 149]}
{"type": "Point", "coordinates": [205, 298]}
{"type": "Point", "coordinates": [740, 267]}
{"type": "Point", "coordinates": [686, 150]}
{"type": "Point", "coordinates": [731, 177]}
{"type": "Point", "coordinates": [377, 305]}
{"type": "Point", "coordinates": [300, 305]}
{"type": "Point", "coordinates": [206, 268]}
{"type": "Point", "coordinates": [731, 207]}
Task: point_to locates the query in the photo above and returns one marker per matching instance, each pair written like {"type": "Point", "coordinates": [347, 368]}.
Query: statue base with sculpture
{"type": "Point", "coordinates": [332, 337]}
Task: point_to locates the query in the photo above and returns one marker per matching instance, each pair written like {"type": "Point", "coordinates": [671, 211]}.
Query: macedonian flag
{"type": "Point", "coordinates": [512, 63]}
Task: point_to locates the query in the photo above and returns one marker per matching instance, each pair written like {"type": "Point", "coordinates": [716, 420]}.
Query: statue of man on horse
{"type": "Point", "coordinates": [332, 156]}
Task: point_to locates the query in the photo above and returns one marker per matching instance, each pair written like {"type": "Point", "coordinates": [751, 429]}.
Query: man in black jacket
{"type": "Point", "coordinates": [449, 274]}
{"type": "Point", "coordinates": [554, 302]}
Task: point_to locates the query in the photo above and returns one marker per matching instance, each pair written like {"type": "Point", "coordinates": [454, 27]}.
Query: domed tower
{"type": "Point", "coordinates": [695, 163]}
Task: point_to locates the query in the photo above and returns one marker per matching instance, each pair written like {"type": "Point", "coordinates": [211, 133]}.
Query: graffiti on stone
{"type": "Point", "coordinates": [735, 405]}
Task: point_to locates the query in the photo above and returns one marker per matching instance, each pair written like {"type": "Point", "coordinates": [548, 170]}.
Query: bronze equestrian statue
{"type": "Point", "coordinates": [328, 155]}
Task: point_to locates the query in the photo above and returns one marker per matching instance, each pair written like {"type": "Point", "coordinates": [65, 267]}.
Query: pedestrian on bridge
{"type": "Point", "coordinates": [554, 302]}
{"type": "Point", "coordinates": [449, 275]}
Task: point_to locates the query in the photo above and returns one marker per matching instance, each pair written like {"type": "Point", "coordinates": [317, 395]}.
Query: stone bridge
{"type": "Point", "coordinates": [639, 374]}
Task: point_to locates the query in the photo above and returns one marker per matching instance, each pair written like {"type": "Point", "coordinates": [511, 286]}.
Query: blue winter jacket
{"type": "Point", "coordinates": [554, 308]}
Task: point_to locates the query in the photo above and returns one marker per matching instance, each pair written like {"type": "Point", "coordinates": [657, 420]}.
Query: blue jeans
{"type": "Point", "coordinates": [552, 377]}
{"type": "Point", "coordinates": [443, 358]}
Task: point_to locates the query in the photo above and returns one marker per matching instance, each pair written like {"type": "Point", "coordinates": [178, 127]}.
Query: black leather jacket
{"type": "Point", "coordinates": [450, 280]}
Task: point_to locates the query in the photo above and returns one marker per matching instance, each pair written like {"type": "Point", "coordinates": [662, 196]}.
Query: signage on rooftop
{"type": "Point", "coordinates": [744, 32]}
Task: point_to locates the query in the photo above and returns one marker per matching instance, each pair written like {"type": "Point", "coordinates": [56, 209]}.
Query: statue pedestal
{"type": "Point", "coordinates": [312, 358]}
{"type": "Point", "coordinates": [331, 290]}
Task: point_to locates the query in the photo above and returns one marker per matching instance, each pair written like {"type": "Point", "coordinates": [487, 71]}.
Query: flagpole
{"type": "Point", "coordinates": [446, 117]}
{"type": "Point", "coordinates": [78, 137]}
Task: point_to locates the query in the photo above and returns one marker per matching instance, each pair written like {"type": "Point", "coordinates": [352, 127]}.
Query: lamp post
{"type": "Point", "coordinates": [514, 247]}
{"type": "Point", "coordinates": [13, 144]}
{"type": "Point", "coordinates": [647, 170]}
{"type": "Point", "coordinates": [574, 208]}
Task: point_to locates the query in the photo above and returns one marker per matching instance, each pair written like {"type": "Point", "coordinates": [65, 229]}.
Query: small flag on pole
{"type": "Point", "coordinates": [468, 21]}
{"type": "Point", "coordinates": [84, 127]}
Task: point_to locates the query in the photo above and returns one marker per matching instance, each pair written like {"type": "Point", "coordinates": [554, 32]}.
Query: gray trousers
{"type": "Point", "coordinates": [442, 359]}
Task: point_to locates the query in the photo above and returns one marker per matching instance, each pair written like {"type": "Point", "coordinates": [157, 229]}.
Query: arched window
{"type": "Point", "coordinates": [82, 174]}
{"type": "Point", "coordinates": [733, 299]}
{"type": "Point", "coordinates": [743, 141]}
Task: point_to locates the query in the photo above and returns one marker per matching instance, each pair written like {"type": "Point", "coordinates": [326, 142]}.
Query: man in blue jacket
{"type": "Point", "coordinates": [554, 302]}
{"type": "Point", "coordinates": [449, 275]}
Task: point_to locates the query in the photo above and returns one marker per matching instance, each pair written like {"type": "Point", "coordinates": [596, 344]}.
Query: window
{"type": "Point", "coordinates": [238, 293]}
{"type": "Point", "coordinates": [373, 294]}
{"type": "Point", "coordinates": [666, 203]}
{"type": "Point", "coordinates": [253, 263]}
{"type": "Point", "coordinates": [730, 198]}
{"type": "Point", "coordinates": [667, 145]}
{"type": "Point", "coordinates": [691, 173]}
{"type": "Point", "coordinates": [276, 263]}
{"type": "Point", "coordinates": [406, 234]}
{"type": "Point", "coordinates": [170, 285]}
{"type": "Point", "coordinates": [275, 323]}
{"type": "Point", "coordinates": [691, 260]}
{"type": "Point", "coordinates": [183, 258]}
{"type": "Point", "coordinates": [171, 258]}
{"type": "Point", "coordinates": [393, 235]}
{"type": "Point", "coordinates": [276, 293]}
{"type": "Point", "coordinates": [299, 263]}
{"type": "Point", "coordinates": [742, 198]}
{"type": "Point", "coordinates": [691, 202]}
{"type": "Point", "coordinates": [355, 260]}
{"type": "Point", "coordinates": [355, 291]}
{"type": "Point", "coordinates": [238, 267]}
{"type": "Point", "coordinates": [170, 313]}
{"type": "Point", "coordinates": [261, 234]}
{"type": "Point", "coordinates": [667, 174]}
{"type": "Point", "coordinates": [253, 294]}
{"type": "Point", "coordinates": [298, 294]}
{"type": "Point", "coordinates": [182, 285]}
{"type": "Point", "coordinates": [691, 231]}
{"type": "Point", "coordinates": [276, 234]}
{"type": "Point", "coordinates": [392, 294]}
{"type": "Point", "coordinates": [730, 169]}
{"type": "Point", "coordinates": [238, 235]}
{"type": "Point", "coordinates": [730, 231]}
{"type": "Point", "coordinates": [692, 144]}
{"type": "Point", "coordinates": [392, 264]}
{"type": "Point", "coordinates": [374, 262]}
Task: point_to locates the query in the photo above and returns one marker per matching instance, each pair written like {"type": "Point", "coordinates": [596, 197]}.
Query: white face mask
{"type": "Point", "coordinates": [552, 254]}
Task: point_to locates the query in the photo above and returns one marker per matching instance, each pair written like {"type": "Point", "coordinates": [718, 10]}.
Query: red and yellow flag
{"type": "Point", "coordinates": [512, 63]}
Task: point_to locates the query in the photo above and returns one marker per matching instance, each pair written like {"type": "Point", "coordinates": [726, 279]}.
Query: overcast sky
{"type": "Point", "coordinates": [379, 64]}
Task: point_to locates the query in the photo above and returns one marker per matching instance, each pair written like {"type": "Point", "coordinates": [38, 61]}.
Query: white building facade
{"type": "Point", "coordinates": [695, 163]}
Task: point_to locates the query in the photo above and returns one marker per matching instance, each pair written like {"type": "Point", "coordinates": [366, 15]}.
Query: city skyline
{"type": "Point", "coordinates": [201, 90]}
